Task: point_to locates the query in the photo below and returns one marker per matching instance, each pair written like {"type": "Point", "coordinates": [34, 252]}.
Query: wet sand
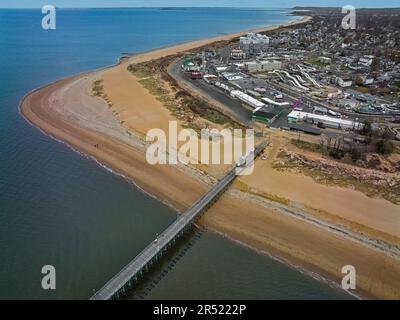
{"type": "Point", "coordinates": [67, 111]}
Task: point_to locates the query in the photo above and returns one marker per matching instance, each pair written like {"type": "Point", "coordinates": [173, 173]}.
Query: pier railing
{"type": "Point", "coordinates": [124, 279]}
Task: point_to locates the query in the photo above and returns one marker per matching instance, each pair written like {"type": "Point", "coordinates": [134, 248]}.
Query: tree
{"type": "Point", "coordinates": [384, 146]}
{"type": "Point", "coordinates": [359, 81]}
{"type": "Point", "coordinates": [376, 64]}
{"type": "Point", "coordinates": [367, 128]}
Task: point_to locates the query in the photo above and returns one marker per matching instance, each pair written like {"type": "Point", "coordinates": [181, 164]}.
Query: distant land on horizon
{"type": "Point", "coordinates": [208, 7]}
{"type": "Point", "coordinates": [204, 4]}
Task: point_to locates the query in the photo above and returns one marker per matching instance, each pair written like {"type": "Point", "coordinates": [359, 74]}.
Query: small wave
{"type": "Point", "coordinates": [102, 165]}
{"type": "Point", "coordinates": [331, 283]}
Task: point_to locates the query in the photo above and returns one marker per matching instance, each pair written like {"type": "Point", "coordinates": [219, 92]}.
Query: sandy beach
{"type": "Point", "coordinates": [113, 135]}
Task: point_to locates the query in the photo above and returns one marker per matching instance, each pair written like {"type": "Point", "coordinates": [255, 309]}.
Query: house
{"type": "Point", "coordinates": [368, 80]}
{"type": "Point", "coordinates": [344, 83]}
{"type": "Point", "coordinates": [366, 61]}
{"type": "Point", "coordinates": [324, 60]}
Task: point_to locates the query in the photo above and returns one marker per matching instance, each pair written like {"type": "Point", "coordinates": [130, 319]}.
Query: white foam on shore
{"type": "Point", "coordinates": [102, 165]}
{"type": "Point", "coordinates": [331, 283]}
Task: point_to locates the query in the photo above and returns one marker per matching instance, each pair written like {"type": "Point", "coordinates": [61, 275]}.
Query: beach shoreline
{"type": "Point", "coordinates": [55, 132]}
{"type": "Point", "coordinates": [129, 160]}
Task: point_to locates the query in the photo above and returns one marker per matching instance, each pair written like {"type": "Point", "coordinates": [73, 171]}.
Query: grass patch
{"type": "Point", "coordinates": [153, 86]}
{"type": "Point", "coordinates": [338, 178]}
{"type": "Point", "coordinates": [140, 70]}
{"type": "Point", "coordinates": [202, 108]}
{"type": "Point", "coordinates": [271, 197]}
{"type": "Point", "coordinates": [309, 146]}
{"type": "Point", "coordinates": [98, 88]}
{"type": "Point", "coordinates": [153, 73]}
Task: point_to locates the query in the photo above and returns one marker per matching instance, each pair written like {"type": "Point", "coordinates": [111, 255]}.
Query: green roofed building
{"type": "Point", "coordinates": [267, 114]}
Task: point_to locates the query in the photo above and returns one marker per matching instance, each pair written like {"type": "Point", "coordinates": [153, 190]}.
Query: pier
{"type": "Point", "coordinates": [132, 272]}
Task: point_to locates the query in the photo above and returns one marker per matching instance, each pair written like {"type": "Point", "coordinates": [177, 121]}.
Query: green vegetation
{"type": "Point", "coordinates": [305, 145]}
{"type": "Point", "coordinates": [98, 88]}
{"type": "Point", "coordinates": [152, 74]}
{"type": "Point", "coordinates": [367, 128]}
{"type": "Point", "coordinates": [140, 70]}
{"type": "Point", "coordinates": [242, 186]}
{"type": "Point", "coordinates": [333, 151]}
{"type": "Point", "coordinates": [153, 86]}
{"type": "Point", "coordinates": [202, 108]}
{"type": "Point", "coordinates": [336, 177]}
{"type": "Point", "coordinates": [384, 146]}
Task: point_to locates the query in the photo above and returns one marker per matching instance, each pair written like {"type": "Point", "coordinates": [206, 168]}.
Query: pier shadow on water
{"type": "Point", "coordinates": [156, 273]}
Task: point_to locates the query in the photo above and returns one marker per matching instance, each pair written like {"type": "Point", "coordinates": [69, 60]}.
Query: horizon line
{"type": "Point", "coordinates": [192, 7]}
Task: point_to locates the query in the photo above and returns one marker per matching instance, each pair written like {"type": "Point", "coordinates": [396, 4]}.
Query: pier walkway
{"type": "Point", "coordinates": [122, 281]}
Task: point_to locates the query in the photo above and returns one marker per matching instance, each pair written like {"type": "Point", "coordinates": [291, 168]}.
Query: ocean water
{"type": "Point", "coordinates": [58, 207]}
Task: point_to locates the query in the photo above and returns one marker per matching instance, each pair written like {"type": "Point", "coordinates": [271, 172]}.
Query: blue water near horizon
{"type": "Point", "coordinates": [60, 208]}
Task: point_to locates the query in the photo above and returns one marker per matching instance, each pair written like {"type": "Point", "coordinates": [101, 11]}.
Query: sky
{"type": "Point", "coordinates": [192, 3]}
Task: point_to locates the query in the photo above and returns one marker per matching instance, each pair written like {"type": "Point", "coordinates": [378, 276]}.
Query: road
{"type": "Point", "coordinates": [212, 94]}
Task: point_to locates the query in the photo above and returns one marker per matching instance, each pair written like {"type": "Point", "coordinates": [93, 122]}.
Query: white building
{"type": "Point", "coordinates": [325, 60]}
{"type": "Point", "coordinates": [328, 121]}
{"type": "Point", "coordinates": [231, 76]}
{"type": "Point", "coordinates": [368, 80]}
{"type": "Point", "coordinates": [238, 54]}
{"type": "Point", "coordinates": [247, 99]}
{"type": "Point", "coordinates": [259, 66]}
{"type": "Point", "coordinates": [254, 43]}
{"type": "Point", "coordinates": [366, 61]}
{"type": "Point", "coordinates": [344, 83]}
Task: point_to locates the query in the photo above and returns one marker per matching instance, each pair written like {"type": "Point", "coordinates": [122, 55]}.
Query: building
{"type": "Point", "coordinates": [320, 110]}
{"type": "Point", "coordinates": [325, 60]}
{"type": "Point", "coordinates": [368, 80]}
{"type": "Point", "coordinates": [254, 103]}
{"type": "Point", "coordinates": [326, 120]}
{"type": "Point", "coordinates": [302, 128]}
{"type": "Point", "coordinates": [266, 114]}
{"type": "Point", "coordinates": [345, 83]}
{"type": "Point", "coordinates": [228, 76]}
{"type": "Point", "coordinates": [189, 66]}
{"type": "Point", "coordinates": [210, 78]}
{"type": "Point", "coordinates": [366, 61]}
{"type": "Point", "coordinates": [238, 54]}
{"type": "Point", "coordinates": [254, 43]}
{"type": "Point", "coordinates": [260, 66]}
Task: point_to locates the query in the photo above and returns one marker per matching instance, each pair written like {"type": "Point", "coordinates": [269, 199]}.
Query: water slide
{"type": "Point", "coordinates": [314, 82]}
{"type": "Point", "coordinates": [301, 80]}
{"type": "Point", "coordinates": [307, 68]}
{"type": "Point", "coordinates": [278, 74]}
{"type": "Point", "coordinates": [280, 104]}
{"type": "Point", "coordinates": [296, 82]}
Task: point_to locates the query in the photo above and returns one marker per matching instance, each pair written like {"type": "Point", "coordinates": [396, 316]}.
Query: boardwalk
{"type": "Point", "coordinates": [131, 272]}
